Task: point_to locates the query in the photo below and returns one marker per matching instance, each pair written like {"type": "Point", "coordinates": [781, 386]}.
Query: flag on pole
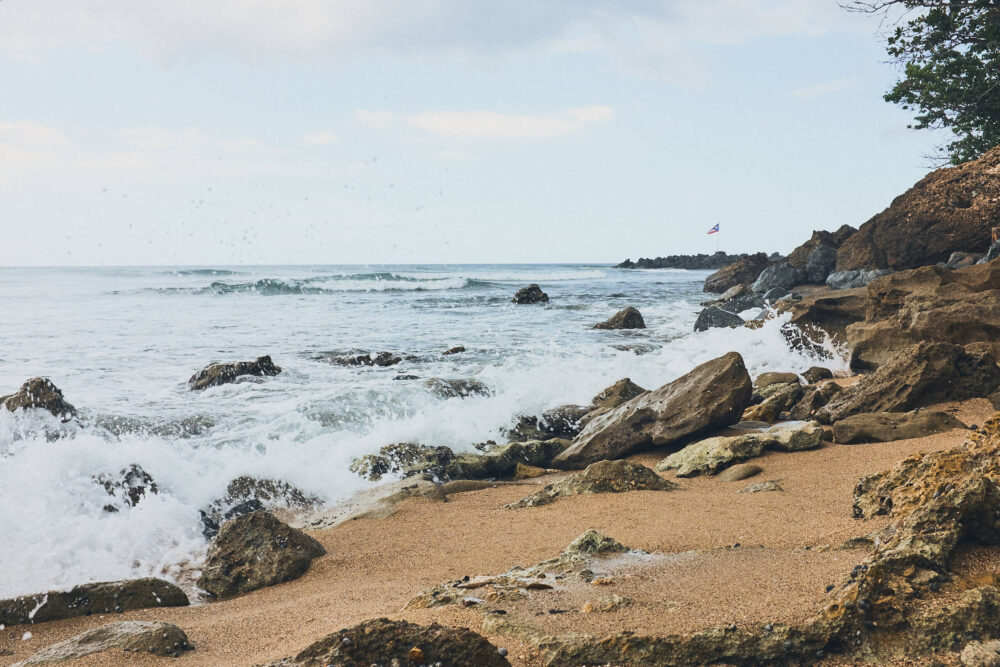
{"type": "Point", "coordinates": [714, 230]}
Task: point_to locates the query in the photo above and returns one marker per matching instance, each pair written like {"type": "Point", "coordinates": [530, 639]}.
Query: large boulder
{"type": "Point", "coordinates": [41, 394]}
{"type": "Point", "coordinates": [384, 642]}
{"type": "Point", "coordinates": [254, 551]}
{"type": "Point", "coordinates": [530, 294]}
{"type": "Point", "coordinates": [627, 318]}
{"type": "Point", "coordinates": [713, 395]}
{"type": "Point", "coordinates": [600, 477]}
{"type": "Point", "coordinates": [916, 376]}
{"type": "Point", "coordinates": [714, 317]}
{"type": "Point", "coordinates": [949, 210]}
{"type": "Point", "coordinates": [147, 637]}
{"type": "Point", "coordinates": [889, 426]}
{"type": "Point", "coordinates": [742, 271]}
{"type": "Point", "coordinates": [98, 598]}
{"type": "Point", "coordinates": [216, 374]}
{"type": "Point", "coordinates": [782, 275]}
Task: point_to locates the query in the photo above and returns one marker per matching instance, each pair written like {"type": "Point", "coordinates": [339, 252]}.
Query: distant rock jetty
{"type": "Point", "coordinates": [711, 262]}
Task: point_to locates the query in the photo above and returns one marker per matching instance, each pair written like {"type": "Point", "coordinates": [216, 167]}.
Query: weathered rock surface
{"type": "Point", "coordinates": [254, 551]}
{"type": "Point", "coordinates": [842, 280]}
{"type": "Point", "coordinates": [403, 458]}
{"type": "Point", "coordinates": [561, 422]}
{"type": "Point", "coordinates": [86, 599]}
{"type": "Point", "coordinates": [460, 388]}
{"type": "Point", "coordinates": [917, 376]}
{"type": "Point", "coordinates": [617, 394]}
{"type": "Point", "coordinates": [774, 377]}
{"type": "Point", "coordinates": [216, 374]}
{"type": "Point", "coordinates": [148, 637]}
{"type": "Point", "coordinates": [776, 399]}
{"type": "Point", "coordinates": [820, 264]}
{"type": "Point", "coordinates": [817, 373]}
{"type": "Point", "coordinates": [247, 494]}
{"type": "Point", "coordinates": [714, 454]}
{"type": "Point", "coordinates": [502, 461]}
{"type": "Point", "coordinates": [888, 426]}
{"type": "Point", "coordinates": [713, 395]}
{"type": "Point", "coordinates": [530, 294]}
{"type": "Point", "coordinates": [782, 275]}
{"type": "Point", "coordinates": [627, 318]}
{"type": "Point", "coordinates": [949, 210]}
{"type": "Point", "coordinates": [41, 394]}
{"type": "Point", "coordinates": [799, 257]}
{"type": "Point", "coordinates": [981, 654]}
{"type": "Point", "coordinates": [761, 487]}
{"type": "Point", "coordinates": [384, 642]}
{"type": "Point", "coordinates": [714, 317]}
{"type": "Point", "coordinates": [600, 477]}
{"type": "Point", "coordinates": [740, 471]}
{"type": "Point", "coordinates": [814, 398]}
{"type": "Point", "coordinates": [742, 271]}
{"type": "Point", "coordinates": [960, 260]}
{"type": "Point", "coordinates": [381, 359]}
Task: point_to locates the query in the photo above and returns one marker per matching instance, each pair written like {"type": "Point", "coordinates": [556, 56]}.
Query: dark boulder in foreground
{"type": "Point", "coordinates": [530, 294]}
{"type": "Point", "coordinates": [98, 598]}
{"type": "Point", "coordinates": [42, 394]}
{"type": "Point", "coordinates": [714, 317]}
{"type": "Point", "coordinates": [147, 637]}
{"type": "Point", "coordinates": [949, 210]}
{"type": "Point", "coordinates": [627, 318]}
{"type": "Point", "coordinates": [216, 374]}
{"type": "Point", "coordinates": [384, 642]}
{"type": "Point", "coordinates": [713, 395]}
{"type": "Point", "coordinates": [916, 376]}
{"type": "Point", "coordinates": [600, 477]}
{"type": "Point", "coordinates": [254, 551]}
{"type": "Point", "coordinates": [743, 271]}
{"type": "Point", "coordinates": [889, 426]}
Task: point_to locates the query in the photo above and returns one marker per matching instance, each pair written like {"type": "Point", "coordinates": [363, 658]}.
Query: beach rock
{"type": "Point", "coordinates": [741, 271]}
{"type": "Point", "coordinates": [714, 454]}
{"type": "Point", "coordinates": [740, 471]}
{"type": "Point", "coordinates": [454, 350]}
{"type": "Point", "coordinates": [561, 422]}
{"type": "Point", "coordinates": [216, 374]}
{"type": "Point", "coordinates": [981, 654]}
{"type": "Point", "coordinates": [381, 359]}
{"type": "Point", "coordinates": [777, 398]}
{"type": "Point", "coordinates": [960, 260]}
{"type": "Point", "coordinates": [889, 426]}
{"type": "Point", "coordinates": [949, 210]}
{"type": "Point", "coordinates": [460, 388]}
{"type": "Point", "coordinates": [246, 494]}
{"type": "Point", "coordinates": [774, 377]}
{"type": "Point", "coordinates": [384, 642]}
{"type": "Point", "coordinates": [843, 280]}
{"type": "Point", "coordinates": [737, 299]}
{"type": "Point", "coordinates": [916, 376]}
{"type": "Point", "coordinates": [522, 471]}
{"type": "Point", "coordinates": [714, 317]}
{"type": "Point", "coordinates": [816, 374]}
{"type": "Point", "coordinates": [96, 598]}
{"type": "Point", "coordinates": [128, 487]}
{"type": "Point", "coordinates": [147, 637]}
{"type": "Point", "coordinates": [502, 461]}
{"type": "Point", "coordinates": [403, 458]}
{"type": "Point", "coordinates": [712, 395]}
{"type": "Point", "coordinates": [628, 318]}
{"type": "Point", "coordinates": [600, 477]}
{"type": "Point", "coordinates": [41, 394]}
{"type": "Point", "coordinates": [781, 275]}
{"type": "Point", "coordinates": [761, 487]}
{"type": "Point", "coordinates": [530, 294]}
{"type": "Point", "coordinates": [827, 313]}
{"type": "Point", "coordinates": [254, 551]}
{"type": "Point", "coordinates": [820, 264]}
{"type": "Point", "coordinates": [617, 394]}
{"type": "Point", "coordinates": [813, 399]}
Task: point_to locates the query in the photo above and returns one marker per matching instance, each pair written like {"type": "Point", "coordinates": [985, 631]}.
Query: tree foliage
{"type": "Point", "coordinates": [949, 54]}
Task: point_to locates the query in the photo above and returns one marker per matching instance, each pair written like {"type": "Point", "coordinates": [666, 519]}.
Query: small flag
{"type": "Point", "coordinates": [714, 230]}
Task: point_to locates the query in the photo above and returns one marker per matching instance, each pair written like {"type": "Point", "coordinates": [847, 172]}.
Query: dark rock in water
{"type": "Point", "coordinates": [699, 262]}
{"type": "Point", "coordinates": [148, 637]}
{"type": "Point", "coordinates": [888, 426]}
{"type": "Point", "coordinates": [916, 376]}
{"type": "Point", "coordinates": [960, 260]}
{"type": "Point", "coordinates": [714, 317]}
{"type": "Point", "coordinates": [130, 486]}
{"type": "Point", "coordinates": [530, 294]}
{"type": "Point", "coordinates": [382, 359]}
{"type": "Point", "coordinates": [454, 350]}
{"type": "Point", "coordinates": [817, 373]}
{"type": "Point", "coordinates": [384, 642]}
{"type": "Point", "coordinates": [456, 388]}
{"type": "Point", "coordinates": [406, 376]}
{"type": "Point", "coordinates": [84, 600]}
{"type": "Point", "coordinates": [180, 428]}
{"type": "Point", "coordinates": [216, 374]}
{"type": "Point", "coordinates": [254, 551]}
{"type": "Point", "coordinates": [628, 318]}
{"type": "Point", "coordinates": [403, 458]}
{"type": "Point", "coordinates": [743, 271]}
{"type": "Point", "coordinates": [39, 393]}
{"type": "Point", "coordinates": [950, 209]}
{"type": "Point", "coordinates": [561, 422]}
{"type": "Point", "coordinates": [854, 278]}
{"type": "Point", "coordinates": [782, 275]}
{"type": "Point", "coordinates": [712, 395]}
{"type": "Point", "coordinates": [247, 494]}
{"type": "Point", "coordinates": [620, 392]}
{"type": "Point", "coordinates": [600, 477]}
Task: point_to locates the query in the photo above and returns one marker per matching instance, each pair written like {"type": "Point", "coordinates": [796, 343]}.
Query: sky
{"type": "Point", "coordinates": [213, 132]}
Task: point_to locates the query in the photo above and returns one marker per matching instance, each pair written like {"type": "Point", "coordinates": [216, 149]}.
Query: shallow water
{"type": "Point", "coordinates": [122, 342]}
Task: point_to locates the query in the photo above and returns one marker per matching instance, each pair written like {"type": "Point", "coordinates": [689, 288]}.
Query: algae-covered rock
{"type": "Point", "coordinates": [530, 294]}
{"type": "Point", "coordinates": [502, 461]}
{"type": "Point", "coordinates": [97, 598]}
{"type": "Point", "coordinates": [457, 388]}
{"type": "Point", "coordinates": [148, 637]}
{"type": "Point", "coordinates": [216, 374]}
{"type": "Point", "coordinates": [402, 458]}
{"type": "Point", "coordinates": [600, 477]}
{"type": "Point", "coordinates": [41, 394]}
{"type": "Point", "coordinates": [628, 318]}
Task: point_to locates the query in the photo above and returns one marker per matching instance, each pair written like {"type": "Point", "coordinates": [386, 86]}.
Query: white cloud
{"type": "Point", "coordinates": [379, 120]}
{"type": "Point", "coordinates": [823, 89]}
{"type": "Point", "coordinates": [320, 138]}
{"type": "Point", "coordinates": [490, 124]}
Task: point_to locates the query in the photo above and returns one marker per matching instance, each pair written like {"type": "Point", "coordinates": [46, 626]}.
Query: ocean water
{"type": "Point", "coordinates": [122, 342]}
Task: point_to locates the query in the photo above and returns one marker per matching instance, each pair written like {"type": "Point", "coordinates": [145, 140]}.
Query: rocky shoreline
{"type": "Point", "coordinates": [717, 519]}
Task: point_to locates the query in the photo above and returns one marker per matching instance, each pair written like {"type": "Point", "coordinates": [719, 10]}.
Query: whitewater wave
{"type": "Point", "coordinates": [373, 282]}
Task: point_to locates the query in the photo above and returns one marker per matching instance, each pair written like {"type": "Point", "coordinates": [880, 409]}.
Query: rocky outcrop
{"type": "Point", "coordinates": [87, 599]}
{"type": "Point", "coordinates": [216, 374]}
{"type": "Point", "coordinates": [384, 642]}
{"type": "Point", "coordinates": [949, 210]}
{"type": "Point", "coordinates": [714, 317]}
{"type": "Point", "coordinates": [742, 271]}
{"type": "Point", "coordinates": [699, 262]}
{"type": "Point", "coordinates": [600, 477]}
{"type": "Point", "coordinates": [888, 426]}
{"type": "Point", "coordinates": [40, 394]}
{"type": "Point", "coordinates": [147, 637]}
{"type": "Point", "coordinates": [254, 551]}
{"type": "Point", "coordinates": [712, 455]}
{"type": "Point", "coordinates": [457, 388]}
{"type": "Point", "coordinates": [627, 318]}
{"type": "Point", "coordinates": [784, 276]}
{"type": "Point", "coordinates": [530, 294]}
{"type": "Point", "coordinates": [917, 376]}
{"type": "Point", "coordinates": [817, 257]}
{"type": "Point", "coordinates": [713, 395]}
